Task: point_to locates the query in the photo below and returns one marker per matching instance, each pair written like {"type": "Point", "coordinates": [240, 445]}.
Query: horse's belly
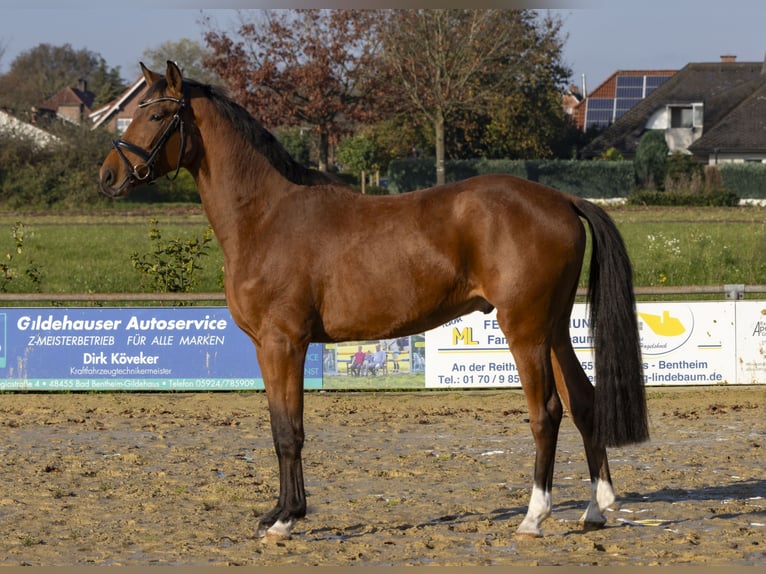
{"type": "Point", "coordinates": [389, 318]}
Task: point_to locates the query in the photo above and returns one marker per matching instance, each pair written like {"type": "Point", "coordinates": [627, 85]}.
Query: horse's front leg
{"type": "Point", "coordinates": [281, 362]}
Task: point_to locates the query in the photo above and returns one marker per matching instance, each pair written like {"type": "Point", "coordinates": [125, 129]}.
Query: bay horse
{"type": "Point", "coordinates": [310, 259]}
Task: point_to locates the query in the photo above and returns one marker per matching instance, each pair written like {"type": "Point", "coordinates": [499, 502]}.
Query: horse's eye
{"type": "Point", "coordinates": [156, 117]}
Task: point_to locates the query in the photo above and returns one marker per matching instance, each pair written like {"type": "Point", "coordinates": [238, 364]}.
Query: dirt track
{"type": "Point", "coordinates": [392, 479]}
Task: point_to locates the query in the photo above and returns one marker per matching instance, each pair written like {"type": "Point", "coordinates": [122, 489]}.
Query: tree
{"type": "Point", "coordinates": [357, 154]}
{"type": "Point", "coordinates": [313, 68]}
{"type": "Point", "coordinates": [105, 83]}
{"type": "Point", "coordinates": [40, 72]}
{"type": "Point", "coordinates": [189, 54]}
{"type": "Point", "coordinates": [471, 65]}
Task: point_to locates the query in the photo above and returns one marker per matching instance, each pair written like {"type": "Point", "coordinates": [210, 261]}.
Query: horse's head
{"type": "Point", "coordinates": [155, 142]}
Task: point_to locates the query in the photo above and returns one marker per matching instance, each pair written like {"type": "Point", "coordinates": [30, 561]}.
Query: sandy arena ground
{"type": "Point", "coordinates": [392, 479]}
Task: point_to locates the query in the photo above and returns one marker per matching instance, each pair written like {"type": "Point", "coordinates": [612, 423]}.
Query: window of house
{"type": "Point", "coordinates": [122, 125]}
{"type": "Point", "coordinates": [686, 116]}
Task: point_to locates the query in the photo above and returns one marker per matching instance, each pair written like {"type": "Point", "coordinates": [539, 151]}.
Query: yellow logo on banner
{"type": "Point", "coordinates": [663, 325]}
{"type": "Point", "coordinates": [463, 335]}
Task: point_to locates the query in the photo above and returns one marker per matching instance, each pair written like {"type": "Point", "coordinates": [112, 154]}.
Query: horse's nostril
{"type": "Point", "coordinates": [107, 178]}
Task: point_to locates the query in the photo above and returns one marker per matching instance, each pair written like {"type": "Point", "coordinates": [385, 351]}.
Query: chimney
{"type": "Point", "coordinates": [728, 58]}
{"type": "Point", "coordinates": [82, 85]}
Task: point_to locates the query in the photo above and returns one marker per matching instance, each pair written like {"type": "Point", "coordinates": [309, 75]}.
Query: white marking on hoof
{"type": "Point", "coordinates": [278, 531]}
{"type": "Point", "coordinates": [602, 496]}
{"type": "Point", "coordinates": [539, 509]}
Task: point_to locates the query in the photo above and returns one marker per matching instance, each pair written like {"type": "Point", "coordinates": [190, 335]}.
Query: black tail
{"type": "Point", "coordinates": [620, 406]}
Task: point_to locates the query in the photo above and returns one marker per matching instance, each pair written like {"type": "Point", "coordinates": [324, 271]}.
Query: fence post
{"type": "Point", "coordinates": [734, 292]}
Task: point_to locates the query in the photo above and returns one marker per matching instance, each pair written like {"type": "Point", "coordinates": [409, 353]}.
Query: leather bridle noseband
{"type": "Point", "coordinates": [143, 171]}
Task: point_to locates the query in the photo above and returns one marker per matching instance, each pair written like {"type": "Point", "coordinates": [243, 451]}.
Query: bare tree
{"type": "Point", "coordinates": [446, 63]}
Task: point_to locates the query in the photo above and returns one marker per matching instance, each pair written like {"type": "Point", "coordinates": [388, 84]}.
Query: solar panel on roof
{"type": "Point", "coordinates": [656, 81]}
{"type": "Point", "coordinates": [624, 104]}
{"type": "Point", "coordinates": [629, 91]}
{"type": "Point", "coordinates": [630, 81]}
{"type": "Point", "coordinates": [600, 104]}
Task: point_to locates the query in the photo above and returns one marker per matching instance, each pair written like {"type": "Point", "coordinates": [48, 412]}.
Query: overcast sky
{"type": "Point", "coordinates": [602, 36]}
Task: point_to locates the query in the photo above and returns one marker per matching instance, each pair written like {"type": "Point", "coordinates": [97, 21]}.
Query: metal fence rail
{"type": "Point", "coordinates": [110, 297]}
{"type": "Point", "coordinates": [729, 292]}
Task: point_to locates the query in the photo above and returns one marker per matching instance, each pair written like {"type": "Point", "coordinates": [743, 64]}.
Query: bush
{"type": "Point", "coordinates": [681, 168]}
{"type": "Point", "coordinates": [63, 174]}
{"type": "Point", "coordinates": [182, 189]}
{"type": "Point", "coordinates": [16, 267]}
{"type": "Point", "coordinates": [705, 198]}
{"type": "Point", "coordinates": [651, 159]}
{"type": "Point", "coordinates": [172, 265]}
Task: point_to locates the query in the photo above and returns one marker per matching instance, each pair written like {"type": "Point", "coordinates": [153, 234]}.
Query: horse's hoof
{"type": "Point", "coordinates": [277, 532]}
{"type": "Point", "coordinates": [528, 534]}
{"type": "Point", "coordinates": [272, 537]}
{"type": "Point", "coordinates": [590, 526]}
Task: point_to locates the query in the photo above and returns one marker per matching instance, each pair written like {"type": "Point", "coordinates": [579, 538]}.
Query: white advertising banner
{"type": "Point", "coordinates": [682, 344]}
{"type": "Point", "coordinates": [751, 342]}
{"type": "Point", "coordinates": [688, 343]}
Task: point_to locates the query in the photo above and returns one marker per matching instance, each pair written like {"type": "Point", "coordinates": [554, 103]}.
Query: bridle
{"type": "Point", "coordinates": [144, 170]}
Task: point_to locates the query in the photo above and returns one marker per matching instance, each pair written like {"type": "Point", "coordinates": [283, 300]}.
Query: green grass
{"type": "Point", "coordinates": [695, 246]}
{"type": "Point", "coordinates": [90, 252]}
{"type": "Point", "coordinates": [399, 382]}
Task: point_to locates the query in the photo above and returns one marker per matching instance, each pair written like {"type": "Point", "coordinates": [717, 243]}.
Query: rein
{"type": "Point", "coordinates": [143, 170]}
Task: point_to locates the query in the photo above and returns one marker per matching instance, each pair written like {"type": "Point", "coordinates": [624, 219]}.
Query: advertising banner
{"type": "Point", "coordinates": [201, 348]}
{"type": "Point", "coordinates": [681, 344]}
{"type": "Point", "coordinates": [688, 343]}
{"type": "Point", "coordinates": [751, 342]}
{"type": "Point", "coordinates": [179, 348]}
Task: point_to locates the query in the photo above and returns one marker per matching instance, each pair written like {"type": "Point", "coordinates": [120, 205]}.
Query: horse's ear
{"type": "Point", "coordinates": [149, 76]}
{"type": "Point", "coordinates": [175, 79]}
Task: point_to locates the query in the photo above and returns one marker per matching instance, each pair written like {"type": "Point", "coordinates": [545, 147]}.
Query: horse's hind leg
{"type": "Point", "coordinates": [578, 395]}
{"type": "Point", "coordinates": [533, 360]}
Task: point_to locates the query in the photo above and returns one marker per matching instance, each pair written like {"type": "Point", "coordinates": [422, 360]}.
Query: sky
{"type": "Point", "coordinates": [601, 36]}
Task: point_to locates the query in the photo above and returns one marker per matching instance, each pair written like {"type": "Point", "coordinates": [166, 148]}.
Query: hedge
{"type": "Point", "coordinates": [593, 179]}
{"type": "Point", "coordinates": [748, 180]}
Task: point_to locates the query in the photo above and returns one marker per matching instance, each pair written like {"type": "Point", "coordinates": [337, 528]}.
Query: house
{"type": "Point", "coordinates": [69, 104]}
{"type": "Point", "coordinates": [616, 95]}
{"type": "Point", "coordinates": [14, 127]}
{"type": "Point", "coordinates": [116, 115]}
{"type": "Point", "coordinates": [714, 110]}
{"type": "Point", "coordinates": [571, 101]}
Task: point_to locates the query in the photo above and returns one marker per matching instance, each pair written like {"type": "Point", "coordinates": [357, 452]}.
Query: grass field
{"type": "Point", "coordinates": [90, 252]}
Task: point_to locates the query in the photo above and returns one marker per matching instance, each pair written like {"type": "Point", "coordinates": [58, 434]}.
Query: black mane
{"type": "Point", "coordinates": [258, 136]}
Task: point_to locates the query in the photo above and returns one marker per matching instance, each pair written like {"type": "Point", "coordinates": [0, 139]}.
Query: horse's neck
{"type": "Point", "coordinates": [234, 180]}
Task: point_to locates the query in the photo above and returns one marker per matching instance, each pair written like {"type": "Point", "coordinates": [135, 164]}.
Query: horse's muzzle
{"type": "Point", "coordinates": [108, 183]}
